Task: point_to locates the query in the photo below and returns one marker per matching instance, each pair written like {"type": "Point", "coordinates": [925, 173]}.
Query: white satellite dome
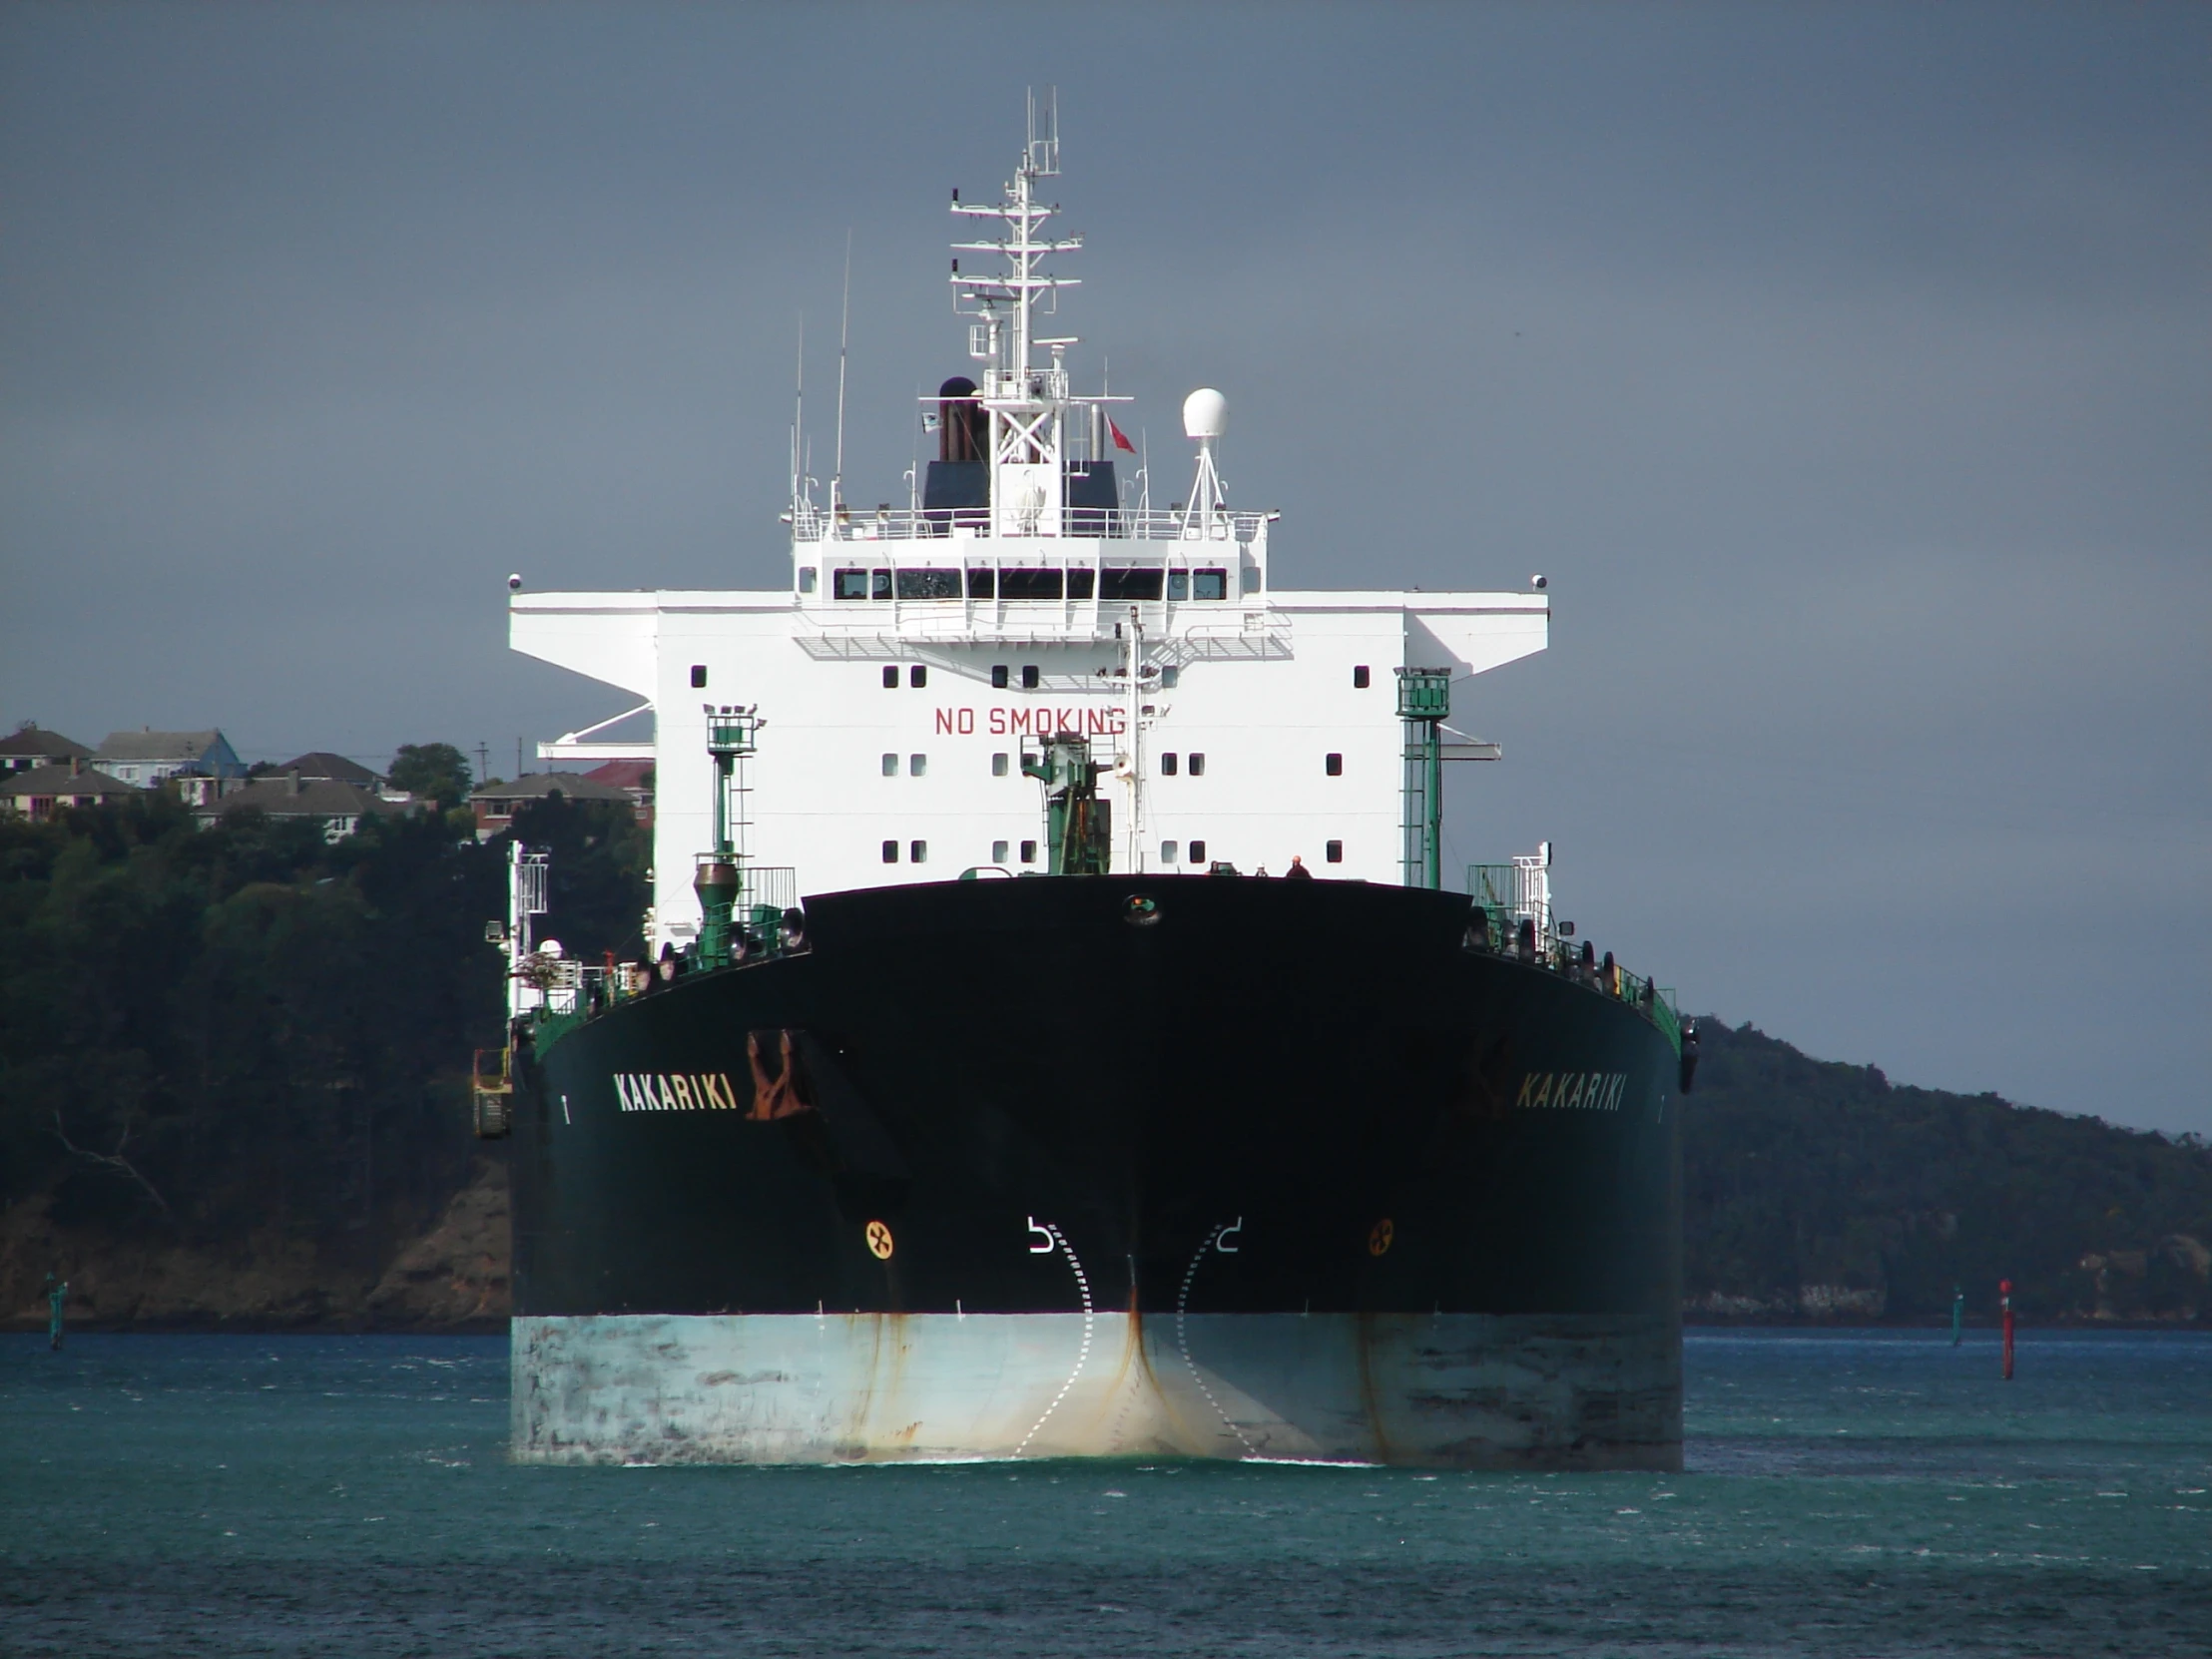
{"type": "Point", "coordinates": [1205, 414]}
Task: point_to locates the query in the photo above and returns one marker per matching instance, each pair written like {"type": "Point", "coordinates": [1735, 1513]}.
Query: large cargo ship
{"type": "Point", "coordinates": [1056, 1037]}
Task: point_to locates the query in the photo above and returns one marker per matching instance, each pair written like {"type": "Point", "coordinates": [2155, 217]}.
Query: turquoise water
{"type": "Point", "coordinates": [1846, 1494]}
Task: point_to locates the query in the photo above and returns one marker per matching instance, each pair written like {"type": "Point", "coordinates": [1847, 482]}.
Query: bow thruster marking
{"type": "Point", "coordinates": [1182, 1334]}
{"type": "Point", "coordinates": [1082, 1285]}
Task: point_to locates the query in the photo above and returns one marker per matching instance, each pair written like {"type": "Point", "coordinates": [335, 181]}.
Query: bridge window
{"type": "Point", "coordinates": [1000, 677]}
{"type": "Point", "coordinates": [1133, 583]}
{"type": "Point", "coordinates": [891, 765]}
{"type": "Point", "coordinates": [848, 584]}
{"type": "Point", "coordinates": [807, 579]}
{"type": "Point", "coordinates": [1167, 765]}
{"type": "Point", "coordinates": [879, 585]}
{"type": "Point", "coordinates": [1335, 852]}
{"type": "Point", "coordinates": [1028, 852]}
{"type": "Point", "coordinates": [917, 677]}
{"type": "Point", "coordinates": [981, 584]}
{"type": "Point", "coordinates": [1081, 583]}
{"type": "Point", "coordinates": [1030, 584]}
{"type": "Point", "coordinates": [1334, 764]}
{"type": "Point", "coordinates": [890, 853]}
{"type": "Point", "coordinates": [928, 584]}
{"type": "Point", "coordinates": [1198, 852]}
{"type": "Point", "coordinates": [1209, 584]}
{"type": "Point", "coordinates": [1179, 584]}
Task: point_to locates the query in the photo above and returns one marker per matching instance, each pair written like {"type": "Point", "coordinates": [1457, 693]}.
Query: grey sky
{"type": "Point", "coordinates": [1847, 370]}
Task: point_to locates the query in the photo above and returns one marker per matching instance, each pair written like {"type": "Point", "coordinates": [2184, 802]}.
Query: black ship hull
{"type": "Point", "coordinates": [1096, 1165]}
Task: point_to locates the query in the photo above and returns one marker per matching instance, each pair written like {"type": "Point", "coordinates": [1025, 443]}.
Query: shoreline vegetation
{"type": "Point", "coordinates": [234, 1097]}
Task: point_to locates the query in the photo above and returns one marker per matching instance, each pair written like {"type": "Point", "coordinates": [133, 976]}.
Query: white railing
{"type": "Point", "coordinates": [813, 524]}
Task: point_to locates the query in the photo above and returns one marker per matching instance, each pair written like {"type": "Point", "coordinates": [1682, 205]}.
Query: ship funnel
{"type": "Point", "coordinates": [1205, 414]}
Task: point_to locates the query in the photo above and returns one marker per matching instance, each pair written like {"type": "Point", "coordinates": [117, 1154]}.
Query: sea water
{"type": "Point", "coordinates": [1846, 1494]}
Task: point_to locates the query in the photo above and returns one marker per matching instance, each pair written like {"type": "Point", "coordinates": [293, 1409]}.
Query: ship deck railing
{"type": "Point", "coordinates": [1146, 524]}
{"type": "Point", "coordinates": [1502, 909]}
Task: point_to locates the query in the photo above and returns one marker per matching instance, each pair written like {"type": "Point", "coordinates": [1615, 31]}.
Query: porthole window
{"type": "Point", "coordinates": [1198, 765]}
{"type": "Point", "coordinates": [1360, 678]}
{"type": "Point", "coordinates": [699, 677]}
{"type": "Point", "coordinates": [1198, 852]}
{"type": "Point", "coordinates": [998, 853]}
{"type": "Point", "coordinates": [917, 766]}
{"type": "Point", "coordinates": [890, 853]}
{"type": "Point", "coordinates": [1334, 764]}
{"type": "Point", "coordinates": [999, 767]}
{"type": "Point", "coordinates": [917, 677]}
{"type": "Point", "coordinates": [1029, 677]}
{"type": "Point", "coordinates": [1167, 849]}
{"type": "Point", "coordinates": [1028, 852]}
{"type": "Point", "coordinates": [1000, 677]}
{"type": "Point", "coordinates": [1335, 852]}
{"type": "Point", "coordinates": [1167, 765]}
{"type": "Point", "coordinates": [918, 852]}
{"type": "Point", "coordinates": [891, 765]}
{"type": "Point", "coordinates": [891, 679]}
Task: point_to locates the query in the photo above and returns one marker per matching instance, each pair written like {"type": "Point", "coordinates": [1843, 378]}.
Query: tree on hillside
{"type": "Point", "coordinates": [435, 770]}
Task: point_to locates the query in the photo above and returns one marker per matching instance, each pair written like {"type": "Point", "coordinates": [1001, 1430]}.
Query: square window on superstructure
{"type": "Point", "coordinates": [891, 679]}
{"type": "Point", "coordinates": [1198, 852]}
{"type": "Point", "coordinates": [879, 584]}
{"type": "Point", "coordinates": [917, 853]}
{"type": "Point", "coordinates": [1082, 583]}
{"type": "Point", "coordinates": [1170, 678]}
{"type": "Point", "coordinates": [1360, 678]}
{"type": "Point", "coordinates": [998, 853]}
{"type": "Point", "coordinates": [1028, 852]}
{"type": "Point", "coordinates": [928, 584]}
{"type": "Point", "coordinates": [1167, 764]}
{"type": "Point", "coordinates": [917, 765]}
{"type": "Point", "coordinates": [1253, 581]}
{"type": "Point", "coordinates": [1209, 584]}
{"type": "Point", "coordinates": [848, 584]}
{"type": "Point", "coordinates": [1179, 584]}
{"type": "Point", "coordinates": [1029, 677]}
{"type": "Point", "coordinates": [1030, 584]}
{"type": "Point", "coordinates": [805, 578]}
{"type": "Point", "coordinates": [891, 765]}
{"type": "Point", "coordinates": [1129, 582]}
{"type": "Point", "coordinates": [1334, 764]}
{"type": "Point", "coordinates": [1198, 765]}
{"type": "Point", "coordinates": [1000, 677]}
{"type": "Point", "coordinates": [1335, 852]}
{"type": "Point", "coordinates": [890, 853]}
{"type": "Point", "coordinates": [1167, 849]}
{"type": "Point", "coordinates": [981, 584]}
{"type": "Point", "coordinates": [699, 677]}
{"type": "Point", "coordinates": [917, 677]}
{"type": "Point", "coordinates": [999, 767]}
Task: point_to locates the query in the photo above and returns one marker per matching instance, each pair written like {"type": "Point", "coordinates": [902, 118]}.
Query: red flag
{"type": "Point", "coordinates": [1120, 442]}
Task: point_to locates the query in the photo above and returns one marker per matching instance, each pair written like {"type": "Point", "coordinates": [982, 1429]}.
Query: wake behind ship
{"type": "Point", "coordinates": [983, 1096]}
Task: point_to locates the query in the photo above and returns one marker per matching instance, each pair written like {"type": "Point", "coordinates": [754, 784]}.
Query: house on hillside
{"type": "Point", "coordinates": [147, 757]}
{"type": "Point", "coordinates": [497, 804]}
{"type": "Point", "coordinates": [27, 747]}
{"type": "Point", "coordinates": [635, 777]}
{"type": "Point", "coordinates": [41, 790]}
{"type": "Point", "coordinates": [338, 808]}
{"type": "Point", "coordinates": [322, 767]}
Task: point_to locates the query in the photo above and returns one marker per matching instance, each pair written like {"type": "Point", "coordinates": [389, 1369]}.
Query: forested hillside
{"type": "Point", "coordinates": [1812, 1188]}
{"type": "Point", "coordinates": [246, 1040]}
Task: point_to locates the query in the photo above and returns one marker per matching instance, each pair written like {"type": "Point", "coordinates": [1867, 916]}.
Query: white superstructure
{"type": "Point", "coordinates": [918, 650]}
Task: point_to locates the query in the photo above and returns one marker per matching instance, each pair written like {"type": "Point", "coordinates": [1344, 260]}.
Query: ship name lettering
{"type": "Point", "coordinates": [666, 1091]}
{"type": "Point", "coordinates": [1585, 1091]}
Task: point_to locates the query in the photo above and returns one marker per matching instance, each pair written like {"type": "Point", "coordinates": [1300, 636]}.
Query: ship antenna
{"type": "Point", "coordinates": [798, 423]}
{"type": "Point", "coordinates": [844, 319]}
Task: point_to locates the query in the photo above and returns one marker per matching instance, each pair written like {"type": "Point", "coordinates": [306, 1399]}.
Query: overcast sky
{"type": "Point", "coordinates": [1845, 369]}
